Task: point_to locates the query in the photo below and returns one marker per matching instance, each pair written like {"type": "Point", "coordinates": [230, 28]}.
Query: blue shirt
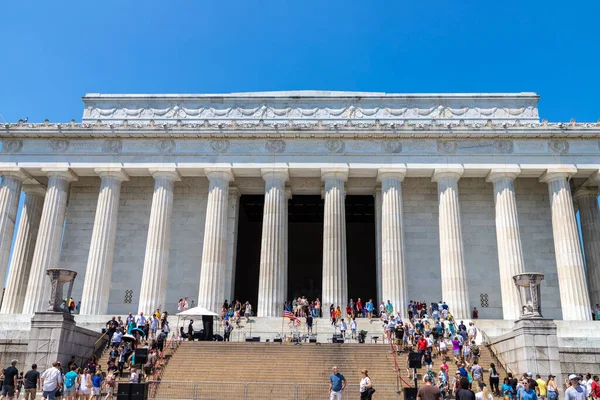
{"type": "Point", "coordinates": [70, 379]}
{"type": "Point", "coordinates": [336, 381]}
{"type": "Point", "coordinates": [528, 394]}
{"type": "Point", "coordinates": [463, 372]}
{"type": "Point", "coordinates": [97, 380]}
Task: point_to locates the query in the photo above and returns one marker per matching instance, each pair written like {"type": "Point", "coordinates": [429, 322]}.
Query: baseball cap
{"type": "Point", "coordinates": [573, 377]}
{"type": "Point", "coordinates": [529, 374]}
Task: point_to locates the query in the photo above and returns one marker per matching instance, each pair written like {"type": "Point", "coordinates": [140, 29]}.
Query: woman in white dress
{"type": "Point", "coordinates": [85, 385]}
{"type": "Point", "coordinates": [366, 387]}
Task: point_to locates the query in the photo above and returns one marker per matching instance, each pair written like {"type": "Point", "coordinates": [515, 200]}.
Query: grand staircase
{"type": "Point", "coordinates": [215, 370]}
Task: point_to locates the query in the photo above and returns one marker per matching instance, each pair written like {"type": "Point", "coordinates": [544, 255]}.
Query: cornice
{"type": "Point", "coordinates": [351, 129]}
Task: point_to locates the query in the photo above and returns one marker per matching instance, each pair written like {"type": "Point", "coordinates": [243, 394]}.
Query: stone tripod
{"type": "Point", "coordinates": [587, 198]}
{"type": "Point", "coordinates": [214, 253]}
{"type": "Point", "coordinates": [156, 262]}
{"type": "Point", "coordinates": [273, 263]}
{"type": "Point", "coordinates": [96, 288]}
{"type": "Point", "coordinates": [47, 247]}
{"type": "Point", "coordinates": [575, 301]}
{"type": "Point", "coordinates": [510, 251]}
{"type": "Point", "coordinates": [452, 259]}
{"type": "Point", "coordinates": [335, 284]}
{"type": "Point", "coordinates": [393, 264]}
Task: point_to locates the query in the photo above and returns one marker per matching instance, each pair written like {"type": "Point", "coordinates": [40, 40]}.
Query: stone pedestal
{"type": "Point", "coordinates": [532, 346]}
{"type": "Point", "coordinates": [55, 337]}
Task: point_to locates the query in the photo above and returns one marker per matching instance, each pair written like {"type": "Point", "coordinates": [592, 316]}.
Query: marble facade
{"type": "Point", "coordinates": [142, 198]}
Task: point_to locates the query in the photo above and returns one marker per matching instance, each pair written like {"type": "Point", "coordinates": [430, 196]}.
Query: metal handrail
{"type": "Point", "coordinates": [494, 351]}
{"type": "Point", "coordinates": [398, 374]}
{"type": "Point", "coordinates": [171, 345]}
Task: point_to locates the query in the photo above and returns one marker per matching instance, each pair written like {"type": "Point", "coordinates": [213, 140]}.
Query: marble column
{"type": "Point", "coordinates": [98, 273]}
{"type": "Point", "coordinates": [22, 255]}
{"type": "Point", "coordinates": [574, 297]}
{"type": "Point", "coordinates": [452, 258]}
{"type": "Point", "coordinates": [48, 243]}
{"type": "Point", "coordinates": [335, 275]}
{"type": "Point", "coordinates": [378, 221]}
{"type": "Point", "coordinates": [288, 196]}
{"type": "Point", "coordinates": [587, 198]}
{"type": "Point", "coordinates": [10, 193]}
{"type": "Point", "coordinates": [233, 212]}
{"type": "Point", "coordinates": [153, 292]}
{"type": "Point", "coordinates": [508, 237]}
{"type": "Point", "coordinates": [393, 263]}
{"type": "Point", "coordinates": [273, 246]}
{"type": "Point", "coordinates": [214, 250]}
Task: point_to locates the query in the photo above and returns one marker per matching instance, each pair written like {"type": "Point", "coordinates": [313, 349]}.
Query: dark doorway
{"type": "Point", "coordinates": [305, 247]}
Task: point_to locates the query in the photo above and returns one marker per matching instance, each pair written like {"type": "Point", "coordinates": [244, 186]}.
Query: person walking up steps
{"type": "Point", "coordinates": [337, 384]}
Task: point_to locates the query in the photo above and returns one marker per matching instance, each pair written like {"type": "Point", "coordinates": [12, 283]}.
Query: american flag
{"type": "Point", "coordinates": [290, 315]}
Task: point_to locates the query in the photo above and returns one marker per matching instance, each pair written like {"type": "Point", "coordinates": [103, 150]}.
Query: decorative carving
{"type": "Point", "coordinates": [112, 146]}
{"type": "Point", "coordinates": [220, 146]}
{"type": "Point", "coordinates": [275, 146]}
{"type": "Point", "coordinates": [559, 146]}
{"type": "Point", "coordinates": [503, 146]}
{"type": "Point", "coordinates": [447, 146]}
{"type": "Point", "coordinates": [166, 146]}
{"type": "Point", "coordinates": [391, 146]}
{"type": "Point", "coordinates": [12, 146]}
{"type": "Point", "coordinates": [335, 145]}
{"type": "Point", "coordinates": [59, 145]}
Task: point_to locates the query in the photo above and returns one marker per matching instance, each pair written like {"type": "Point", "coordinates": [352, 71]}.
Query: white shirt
{"type": "Point", "coordinates": [363, 384]}
{"type": "Point", "coordinates": [479, 396]}
{"type": "Point", "coordinates": [343, 326]}
{"type": "Point", "coordinates": [117, 337]}
{"type": "Point", "coordinates": [133, 378]}
{"type": "Point", "coordinates": [353, 325]}
{"type": "Point", "coordinates": [140, 320]}
{"type": "Point", "coordinates": [51, 377]}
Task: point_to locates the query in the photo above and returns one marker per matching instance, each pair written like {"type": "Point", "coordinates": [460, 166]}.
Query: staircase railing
{"type": "Point", "coordinates": [161, 363]}
{"type": "Point", "coordinates": [488, 343]}
{"type": "Point", "coordinates": [397, 369]}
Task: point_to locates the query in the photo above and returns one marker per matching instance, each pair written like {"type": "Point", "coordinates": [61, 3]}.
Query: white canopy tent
{"type": "Point", "coordinates": [196, 312]}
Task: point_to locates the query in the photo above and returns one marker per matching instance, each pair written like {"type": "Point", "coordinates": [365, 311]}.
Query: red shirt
{"type": "Point", "coordinates": [422, 344]}
{"type": "Point", "coordinates": [595, 389]}
{"type": "Point", "coordinates": [358, 305]}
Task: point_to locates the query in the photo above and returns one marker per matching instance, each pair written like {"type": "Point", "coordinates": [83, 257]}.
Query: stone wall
{"type": "Point", "coordinates": [579, 360]}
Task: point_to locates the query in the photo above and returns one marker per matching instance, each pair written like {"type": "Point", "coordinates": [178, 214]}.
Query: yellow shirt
{"type": "Point", "coordinates": [542, 386]}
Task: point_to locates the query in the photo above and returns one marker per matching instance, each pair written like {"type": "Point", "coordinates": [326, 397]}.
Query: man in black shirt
{"type": "Point", "coordinates": [464, 393]}
{"type": "Point", "coordinates": [31, 382]}
{"type": "Point", "coordinates": [111, 326]}
{"type": "Point", "coordinates": [10, 380]}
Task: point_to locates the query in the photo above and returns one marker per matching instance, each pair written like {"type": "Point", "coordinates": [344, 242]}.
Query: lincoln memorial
{"type": "Point", "coordinates": [273, 195]}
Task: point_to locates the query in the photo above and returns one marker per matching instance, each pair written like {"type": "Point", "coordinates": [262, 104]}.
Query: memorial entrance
{"type": "Point", "coordinates": [305, 247]}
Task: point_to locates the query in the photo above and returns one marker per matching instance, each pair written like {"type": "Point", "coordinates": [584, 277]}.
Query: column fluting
{"type": "Point", "coordinates": [22, 255]}
{"type": "Point", "coordinates": [10, 193]}
{"type": "Point", "coordinates": [335, 276]}
{"type": "Point", "coordinates": [378, 222]}
{"type": "Point", "coordinates": [153, 292]}
{"type": "Point", "coordinates": [393, 264]}
{"type": "Point", "coordinates": [98, 273]}
{"type": "Point", "coordinates": [587, 198]}
{"type": "Point", "coordinates": [48, 243]}
{"type": "Point", "coordinates": [214, 250]}
{"type": "Point", "coordinates": [271, 292]}
{"type": "Point", "coordinates": [508, 237]}
{"type": "Point", "coordinates": [574, 297]}
{"type": "Point", "coordinates": [453, 270]}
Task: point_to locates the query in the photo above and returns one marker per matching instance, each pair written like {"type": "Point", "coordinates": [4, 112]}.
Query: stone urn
{"type": "Point", "coordinates": [528, 286]}
{"type": "Point", "coordinates": [58, 278]}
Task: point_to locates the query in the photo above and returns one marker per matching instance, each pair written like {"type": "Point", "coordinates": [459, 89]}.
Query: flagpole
{"type": "Point", "coordinates": [282, 321]}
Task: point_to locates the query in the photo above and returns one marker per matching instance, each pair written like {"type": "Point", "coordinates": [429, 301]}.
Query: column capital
{"type": "Point", "coordinates": [585, 191]}
{"type": "Point", "coordinates": [112, 172]}
{"type": "Point", "coordinates": [234, 191]}
{"type": "Point", "coordinates": [288, 192]}
{"type": "Point", "coordinates": [15, 172]}
{"type": "Point", "coordinates": [593, 180]}
{"type": "Point", "coordinates": [219, 173]}
{"type": "Point", "coordinates": [553, 174]}
{"type": "Point", "coordinates": [34, 190]}
{"type": "Point", "coordinates": [334, 173]}
{"type": "Point", "coordinates": [168, 173]}
{"type": "Point", "coordinates": [60, 172]}
{"type": "Point", "coordinates": [397, 172]}
{"type": "Point", "coordinates": [503, 173]}
{"type": "Point", "coordinates": [275, 173]}
{"type": "Point", "coordinates": [447, 173]}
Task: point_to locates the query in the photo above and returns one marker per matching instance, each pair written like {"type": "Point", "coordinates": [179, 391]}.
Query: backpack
{"type": "Point", "coordinates": [475, 350]}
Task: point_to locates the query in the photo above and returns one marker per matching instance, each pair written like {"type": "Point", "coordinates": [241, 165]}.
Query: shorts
{"type": "Point", "coordinates": [49, 395]}
{"type": "Point", "coordinates": [70, 390]}
{"type": "Point", "coordinates": [110, 390]}
{"type": "Point", "coordinates": [8, 390]}
{"type": "Point", "coordinates": [153, 330]}
{"type": "Point", "coordinates": [84, 391]}
{"type": "Point", "coordinates": [456, 352]}
{"type": "Point", "coordinates": [335, 395]}
{"type": "Point", "coordinates": [96, 391]}
{"type": "Point", "coordinates": [398, 341]}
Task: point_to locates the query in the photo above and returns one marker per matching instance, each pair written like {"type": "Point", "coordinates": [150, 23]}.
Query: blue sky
{"type": "Point", "coordinates": [53, 52]}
